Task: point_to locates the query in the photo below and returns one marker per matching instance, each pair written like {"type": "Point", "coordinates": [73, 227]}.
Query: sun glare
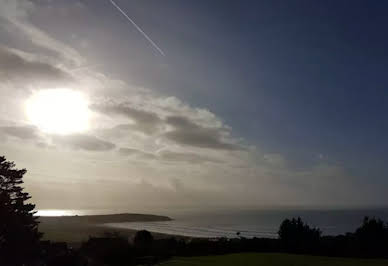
{"type": "Point", "coordinates": [54, 213]}
{"type": "Point", "coordinates": [58, 111]}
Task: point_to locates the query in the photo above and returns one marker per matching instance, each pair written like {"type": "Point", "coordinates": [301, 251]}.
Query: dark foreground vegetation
{"type": "Point", "coordinates": [271, 259]}
{"type": "Point", "coordinates": [21, 244]}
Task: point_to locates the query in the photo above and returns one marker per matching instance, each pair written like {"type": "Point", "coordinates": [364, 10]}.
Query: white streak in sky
{"type": "Point", "coordinates": [138, 28]}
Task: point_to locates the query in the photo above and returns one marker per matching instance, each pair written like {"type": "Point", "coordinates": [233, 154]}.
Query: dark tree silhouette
{"type": "Point", "coordinates": [143, 241]}
{"type": "Point", "coordinates": [19, 236]}
{"type": "Point", "coordinates": [372, 237]}
{"type": "Point", "coordinates": [296, 236]}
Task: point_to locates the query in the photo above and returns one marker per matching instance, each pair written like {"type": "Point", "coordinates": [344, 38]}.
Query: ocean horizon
{"type": "Point", "coordinates": [248, 223]}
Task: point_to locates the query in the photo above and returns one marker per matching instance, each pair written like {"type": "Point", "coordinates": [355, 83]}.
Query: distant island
{"type": "Point", "coordinates": [78, 228]}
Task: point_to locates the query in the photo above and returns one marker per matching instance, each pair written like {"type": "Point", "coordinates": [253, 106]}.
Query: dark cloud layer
{"type": "Point", "coordinates": [146, 122]}
{"type": "Point", "coordinates": [21, 132]}
{"type": "Point", "coordinates": [84, 142]}
{"type": "Point", "coordinates": [184, 132]}
{"type": "Point", "coordinates": [14, 67]}
{"type": "Point", "coordinates": [187, 132]}
{"type": "Point", "coordinates": [75, 141]}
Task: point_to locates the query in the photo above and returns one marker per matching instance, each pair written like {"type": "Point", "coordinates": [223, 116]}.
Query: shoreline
{"type": "Point", "coordinates": [78, 228]}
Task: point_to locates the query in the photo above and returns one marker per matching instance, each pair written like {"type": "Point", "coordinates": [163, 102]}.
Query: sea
{"type": "Point", "coordinates": [242, 223]}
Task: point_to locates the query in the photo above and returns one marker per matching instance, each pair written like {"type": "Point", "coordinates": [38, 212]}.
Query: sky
{"type": "Point", "coordinates": [202, 104]}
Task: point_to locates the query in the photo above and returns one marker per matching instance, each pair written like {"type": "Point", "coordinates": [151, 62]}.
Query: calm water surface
{"type": "Point", "coordinates": [259, 223]}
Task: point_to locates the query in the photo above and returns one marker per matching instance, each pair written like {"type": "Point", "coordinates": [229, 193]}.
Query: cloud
{"type": "Point", "coordinates": [188, 147]}
{"type": "Point", "coordinates": [146, 122]}
{"type": "Point", "coordinates": [16, 13]}
{"type": "Point", "coordinates": [84, 142]}
{"type": "Point", "coordinates": [168, 156]}
{"type": "Point", "coordinates": [186, 157]}
{"type": "Point", "coordinates": [192, 127]}
{"type": "Point", "coordinates": [275, 159]}
{"type": "Point", "coordinates": [186, 132]}
{"type": "Point", "coordinates": [15, 67]}
{"type": "Point", "coordinates": [15, 8]}
{"type": "Point", "coordinates": [137, 153]}
{"type": "Point", "coordinates": [21, 132]}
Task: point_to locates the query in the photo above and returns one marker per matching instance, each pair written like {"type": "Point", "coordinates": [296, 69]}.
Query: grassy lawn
{"type": "Point", "coordinates": [267, 259]}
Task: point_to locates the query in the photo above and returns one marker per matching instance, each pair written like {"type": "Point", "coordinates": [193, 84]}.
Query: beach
{"type": "Point", "coordinates": [76, 229]}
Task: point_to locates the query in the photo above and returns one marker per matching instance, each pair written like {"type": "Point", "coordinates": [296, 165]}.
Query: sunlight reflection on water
{"type": "Point", "coordinates": [54, 213]}
{"type": "Point", "coordinates": [63, 212]}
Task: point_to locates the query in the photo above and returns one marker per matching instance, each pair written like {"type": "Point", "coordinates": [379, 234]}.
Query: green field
{"type": "Point", "coordinates": [275, 259]}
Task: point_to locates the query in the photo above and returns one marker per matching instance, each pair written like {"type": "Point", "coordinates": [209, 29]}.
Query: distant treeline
{"type": "Point", "coordinates": [370, 240]}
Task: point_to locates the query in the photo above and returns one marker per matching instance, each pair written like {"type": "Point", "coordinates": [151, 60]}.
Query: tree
{"type": "Point", "coordinates": [19, 236]}
{"type": "Point", "coordinates": [296, 236]}
{"type": "Point", "coordinates": [372, 237]}
{"type": "Point", "coordinates": [143, 240]}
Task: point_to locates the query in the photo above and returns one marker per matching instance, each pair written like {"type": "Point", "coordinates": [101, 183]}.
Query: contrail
{"type": "Point", "coordinates": [138, 28]}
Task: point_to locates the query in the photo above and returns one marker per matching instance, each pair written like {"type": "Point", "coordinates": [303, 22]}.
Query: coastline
{"type": "Point", "coordinates": [75, 229]}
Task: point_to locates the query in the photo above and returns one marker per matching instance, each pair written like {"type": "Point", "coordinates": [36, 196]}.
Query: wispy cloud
{"type": "Point", "coordinates": [165, 138]}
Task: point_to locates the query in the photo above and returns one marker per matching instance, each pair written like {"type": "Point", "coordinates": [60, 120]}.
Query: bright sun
{"type": "Point", "coordinates": [58, 111]}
